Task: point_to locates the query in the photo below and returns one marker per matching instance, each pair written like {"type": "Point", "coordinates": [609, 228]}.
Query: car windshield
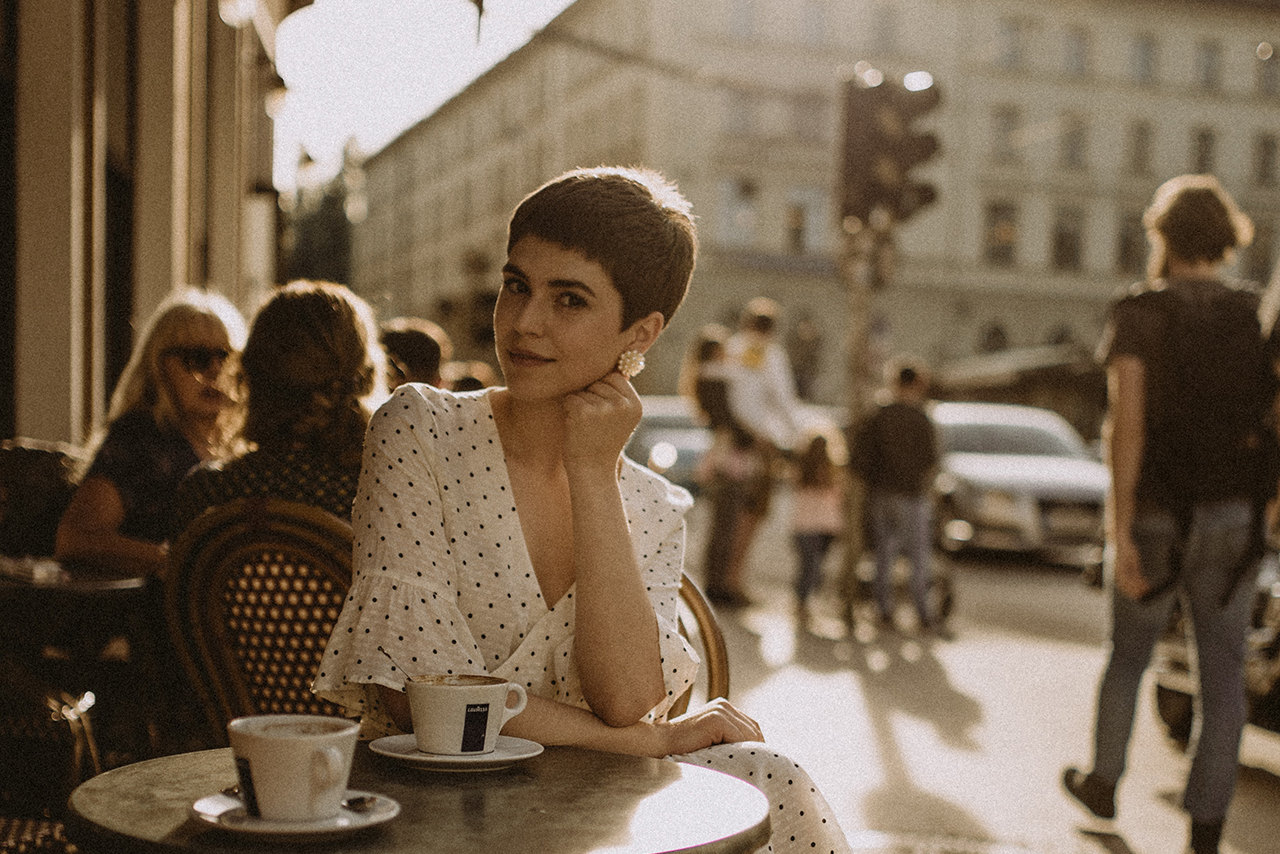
{"type": "Point", "coordinates": [1022, 439]}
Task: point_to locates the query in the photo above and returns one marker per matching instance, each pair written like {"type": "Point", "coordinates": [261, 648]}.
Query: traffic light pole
{"type": "Point", "coordinates": [858, 263]}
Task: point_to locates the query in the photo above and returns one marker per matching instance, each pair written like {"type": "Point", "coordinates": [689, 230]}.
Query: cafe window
{"type": "Point", "coordinates": [741, 113]}
{"type": "Point", "coordinates": [1143, 59]}
{"type": "Point", "coordinates": [1264, 160]}
{"type": "Point", "coordinates": [1001, 234]}
{"type": "Point", "coordinates": [1141, 140]}
{"type": "Point", "coordinates": [1131, 251]}
{"type": "Point", "coordinates": [1068, 239]}
{"type": "Point", "coordinates": [1203, 144]}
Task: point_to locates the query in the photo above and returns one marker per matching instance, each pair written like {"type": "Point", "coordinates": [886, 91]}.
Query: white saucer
{"type": "Point", "coordinates": [226, 812]}
{"type": "Point", "coordinates": [404, 748]}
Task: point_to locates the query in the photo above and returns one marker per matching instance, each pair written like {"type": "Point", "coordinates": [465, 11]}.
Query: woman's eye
{"type": "Point", "coordinates": [515, 286]}
{"type": "Point", "coordinates": [569, 299]}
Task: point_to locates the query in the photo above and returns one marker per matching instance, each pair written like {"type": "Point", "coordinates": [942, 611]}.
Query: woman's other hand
{"type": "Point", "coordinates": [599, 420]}
{"type": "Point", "coordinates": [718, 722]}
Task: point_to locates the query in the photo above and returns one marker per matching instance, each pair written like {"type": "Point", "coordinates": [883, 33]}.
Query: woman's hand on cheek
{"type": "Point", "coordinates": [599, 420]}
{"type": "Point", "coordinates": [718, 722]}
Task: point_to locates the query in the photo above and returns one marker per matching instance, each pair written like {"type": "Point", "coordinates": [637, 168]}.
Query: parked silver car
{"type": "Point", "coordinates": [1018, 478]}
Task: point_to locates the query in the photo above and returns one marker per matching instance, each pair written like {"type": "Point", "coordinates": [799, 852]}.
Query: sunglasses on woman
{"type": "Point", "coordinates": [200, 360]}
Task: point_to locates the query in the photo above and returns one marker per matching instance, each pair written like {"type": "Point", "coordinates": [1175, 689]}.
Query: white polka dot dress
{"type": "Point", "coordinates": [444, 583]}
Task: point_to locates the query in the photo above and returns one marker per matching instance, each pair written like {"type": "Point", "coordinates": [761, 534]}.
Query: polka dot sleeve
{"type": "Point", "coordinates": [404, 597]}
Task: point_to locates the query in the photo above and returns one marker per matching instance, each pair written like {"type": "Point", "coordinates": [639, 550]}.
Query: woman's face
{"type": "Point", "coordinates": [557, 323]}
{"type": "Point", "coordinates": [195, 372]}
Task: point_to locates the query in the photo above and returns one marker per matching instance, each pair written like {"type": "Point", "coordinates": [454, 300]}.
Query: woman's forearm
{"type": "Point", "coordinates": [616, 632]}
{"type": "Point", "coordinates": [1125, 439]}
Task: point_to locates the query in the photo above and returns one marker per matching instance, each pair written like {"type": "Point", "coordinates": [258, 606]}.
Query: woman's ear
{"type": "Point", "coordinates": [645, 331]}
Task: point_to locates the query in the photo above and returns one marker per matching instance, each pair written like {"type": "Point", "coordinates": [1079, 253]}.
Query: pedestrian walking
{"type": "Point", "coordinates": [1191, 386]}
{"type": "Point", "coordinates": [896, 453]}
{"type": "Point", "coordinates": [818, 510]}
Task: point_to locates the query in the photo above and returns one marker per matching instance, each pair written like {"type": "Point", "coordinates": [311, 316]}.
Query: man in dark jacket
{"type": "Point", "coordinates": [896, 453]}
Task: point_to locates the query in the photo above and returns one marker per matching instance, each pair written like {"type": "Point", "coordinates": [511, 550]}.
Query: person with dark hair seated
{"type": "Point", "coordinates": [312, 374]}
{"type": "Point", "coordinates": [417, 350]}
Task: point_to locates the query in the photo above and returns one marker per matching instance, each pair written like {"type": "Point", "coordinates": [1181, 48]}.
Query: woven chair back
{"type": "Point", "coordinates": [254, 590]}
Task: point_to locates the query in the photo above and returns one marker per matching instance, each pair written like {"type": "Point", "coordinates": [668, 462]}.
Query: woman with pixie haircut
{"type": "Point", "coordinates": [503, 532]}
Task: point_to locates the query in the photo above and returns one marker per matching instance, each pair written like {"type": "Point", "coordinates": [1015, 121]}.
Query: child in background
{"type": "Point", "coordinates": [818, 510]}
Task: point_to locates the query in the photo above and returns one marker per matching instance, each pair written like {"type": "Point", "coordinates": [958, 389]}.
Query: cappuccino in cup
{"type": "Point", "coordinates": [463, 714]}
{"type": "Point", "coordinates": [292, 767]}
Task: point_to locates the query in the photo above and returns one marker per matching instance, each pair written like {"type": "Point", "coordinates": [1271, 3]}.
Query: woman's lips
{"type": "Point", "coordinates": [526, 359]}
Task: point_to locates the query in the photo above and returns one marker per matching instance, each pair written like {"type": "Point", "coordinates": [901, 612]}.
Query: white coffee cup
{"type": "Point", "coordinates": [293, 767]}
{"type": "Point", "coordinates": [457, 715]}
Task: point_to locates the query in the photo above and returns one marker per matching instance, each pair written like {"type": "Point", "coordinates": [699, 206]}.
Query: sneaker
{"type": "Point", "coordinates": [1097, 796]}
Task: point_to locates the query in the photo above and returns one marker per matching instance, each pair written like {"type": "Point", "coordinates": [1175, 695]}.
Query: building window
{"type": "Point", "coordinates": [1209, 66]}
{"type": "Point", "coordinates": [1203, 142]}
{"type": "Point", "coordinates": [1001, 234]}
{"type": "Point", "coordinates": [1141, 141]}
{"type": "Point", "coordinates": [1142, 59]}
{"type": "Point", "coordinates": [814, 26]}
{"type": "Point", "coordinates": [1131, 251]}
{"type": "Point", "coordinates": [1006, 123]}
{"type": "Point", "coordinates": [884, 30]}
{"type": "Point", "coordinates": [1077, 50]}
{"type": "Point", "coordinates": [1068, 239]}
{"type": "Point", "coordinates": [1074, 142]}
{"type": "Point", "coordinates": [808, 116]}
{"type": "Point", "coordinates": [740, 113]}
{"type": "Point", "coordinates": [739, 200]}
{"type": "Point", "coordinates": [1264, 160]}
{"type": "Point", "coordinates": [742, 18]}
{"type": "Point", "coordinates": [1269, 77]}
{"type": "Point", "coordinates": [805, 208]}
{"type": "Point", "coordinates": [1011, 49]}
{"type": "Point", "coordinates": [1257, 259]}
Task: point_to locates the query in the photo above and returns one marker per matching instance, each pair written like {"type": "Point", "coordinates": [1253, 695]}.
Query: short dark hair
{"type": "Point", "coordinates": [1194, 218]}
{"type": "Point", "coordinates": [416, 348]}
{"type": "Point", "coordinates": [632, 222]}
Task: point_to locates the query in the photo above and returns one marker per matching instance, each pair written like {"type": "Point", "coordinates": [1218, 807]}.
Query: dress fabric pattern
{"type": "Point", "coordinates": [443, 582]}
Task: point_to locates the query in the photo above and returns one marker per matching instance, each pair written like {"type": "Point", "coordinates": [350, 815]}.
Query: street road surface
{"type": "Point", "coordinates": [964, 738]}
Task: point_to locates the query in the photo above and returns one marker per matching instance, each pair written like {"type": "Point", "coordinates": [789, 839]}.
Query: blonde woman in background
{"type": "Point", "coordinates": [174, 406]}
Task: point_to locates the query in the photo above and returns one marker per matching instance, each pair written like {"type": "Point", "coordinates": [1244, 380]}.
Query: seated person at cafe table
{"type": "Point", "coordinates": [502, 531]}
{"type": "Point", "coordinates": [313, 372]}
{"type": "Point", "coordinates": [173, 407]}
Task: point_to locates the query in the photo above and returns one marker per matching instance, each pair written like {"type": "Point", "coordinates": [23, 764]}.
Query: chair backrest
{"type": "Point", "coordinates": [253, 591]}
{"type": "Point", "coordinates": [37, 480]}
{"type": "Point", "coordinates": [705, 634]}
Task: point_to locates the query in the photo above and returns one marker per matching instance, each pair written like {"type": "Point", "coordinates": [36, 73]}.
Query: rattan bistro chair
{"type": "Point", "coordinates": [255, 587]}
{"type": "Point", "coordinates": [705, 634]}
{"type": "Point", "coordinates": [253, 590]}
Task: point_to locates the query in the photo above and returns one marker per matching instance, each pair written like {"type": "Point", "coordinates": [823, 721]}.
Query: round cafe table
{"type": "Point", "coordinates": [566, 799]}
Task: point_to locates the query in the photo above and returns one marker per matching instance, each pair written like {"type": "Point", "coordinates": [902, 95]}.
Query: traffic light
{"type": "Point", "coordinates": [881, 146]}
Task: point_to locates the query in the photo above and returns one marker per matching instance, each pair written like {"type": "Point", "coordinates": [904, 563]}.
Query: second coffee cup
{"type": "Point", "coordinates": [457, 715]}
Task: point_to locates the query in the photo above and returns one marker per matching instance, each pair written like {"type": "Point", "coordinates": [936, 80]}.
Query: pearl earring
{"type": "Point", "coordinates": [631, 363]}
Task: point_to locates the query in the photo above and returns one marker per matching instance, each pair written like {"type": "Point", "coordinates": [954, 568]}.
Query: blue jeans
{"type": "Point", "coordinates": [811, 547]}
{"type": "Point", "coordinates": [1216, 541]}
{"type": "Point", "coordinates": [902, 522]}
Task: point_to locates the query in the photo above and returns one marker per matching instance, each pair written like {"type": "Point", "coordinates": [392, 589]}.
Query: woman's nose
{"type": "Point", "coordinates": [531, 318]}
